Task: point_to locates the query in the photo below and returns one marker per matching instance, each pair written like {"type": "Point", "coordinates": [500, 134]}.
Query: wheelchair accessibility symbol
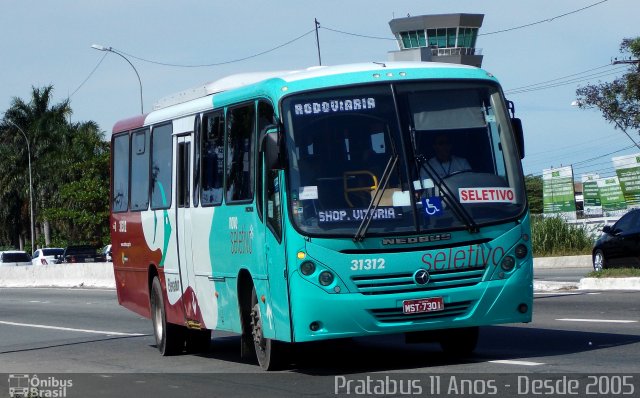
{"type": "Point", "coordinates": [432, 206]}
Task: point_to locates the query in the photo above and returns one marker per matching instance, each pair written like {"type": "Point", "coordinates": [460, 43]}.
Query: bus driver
{"type": "Point", "coordinates": [444, 163]}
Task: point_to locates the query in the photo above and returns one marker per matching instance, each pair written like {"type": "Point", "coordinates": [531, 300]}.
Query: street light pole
{"type": "Point", "coordinates": [111, 50]}
{"type": "Point", "coordinates": [30, 181]}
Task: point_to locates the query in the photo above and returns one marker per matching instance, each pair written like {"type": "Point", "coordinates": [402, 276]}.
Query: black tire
{"type": "Point", "coordinates": [170, 338]}
{"type": "Point", "coordinates": [198, 340]}
{"type": "Point", "coordinates": [460, 342]}
{"type": "Point", "coordinates": [271, 354]}
{"type": "Point", "coordinates": [599, 261]}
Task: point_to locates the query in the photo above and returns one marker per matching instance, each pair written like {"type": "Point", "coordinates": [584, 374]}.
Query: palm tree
{"type": "Point", "coordinates": [45, 126]}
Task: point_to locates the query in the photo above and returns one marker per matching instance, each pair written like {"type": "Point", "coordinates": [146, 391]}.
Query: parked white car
{"type": "Point", "coordinates": [47, 255]}
{"type": "Point", "coordinates": [14, 258]}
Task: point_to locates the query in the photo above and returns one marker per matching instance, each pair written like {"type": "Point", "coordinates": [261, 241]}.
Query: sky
{"type": "Point", "coordinates": [49, 43]}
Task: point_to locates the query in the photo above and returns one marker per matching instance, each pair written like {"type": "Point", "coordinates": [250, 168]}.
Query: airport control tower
{"type": "Point", "coordinates": [438, 38]}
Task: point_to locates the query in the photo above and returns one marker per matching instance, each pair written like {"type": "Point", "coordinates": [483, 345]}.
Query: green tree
{"type": "Point", "coordinates": [79, 208]}
{"type": "Point", "coordinates": [70, 173]}
{"type": "Point", "coordinates": [534, 193]}
{"type": "Point", "coordinates": [619, 100]}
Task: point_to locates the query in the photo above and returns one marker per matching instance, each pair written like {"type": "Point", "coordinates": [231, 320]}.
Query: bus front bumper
{"type": "Point", "coordinates": [318, 315]}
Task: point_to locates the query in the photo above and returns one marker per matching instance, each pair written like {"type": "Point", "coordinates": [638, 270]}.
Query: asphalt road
{"type": "Point", "coordinates": [108, 350]}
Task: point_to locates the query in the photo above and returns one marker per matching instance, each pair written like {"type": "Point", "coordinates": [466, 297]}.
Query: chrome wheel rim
{"type": "Point", "coordinates": [598, 260]}
{"type": "Point", "coordinates": [157, 321]}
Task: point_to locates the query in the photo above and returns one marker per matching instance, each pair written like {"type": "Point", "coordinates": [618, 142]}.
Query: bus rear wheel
{"type": "Point", "coordinates": [460, 342]}
{"type": "Point", "coordinates": [271, 354]}
{"type": "Point", "coordinates": [170, 338]}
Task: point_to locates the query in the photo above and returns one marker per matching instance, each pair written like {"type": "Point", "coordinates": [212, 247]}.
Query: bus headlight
{"type": "Point", "coordinates": [508, 263]}
{"type": "Point", "coordinates": [521, 251]}
{"type": "Point", "coordinates": [325, 278]}
{"type": "Point", "coordinates": [307, 268]}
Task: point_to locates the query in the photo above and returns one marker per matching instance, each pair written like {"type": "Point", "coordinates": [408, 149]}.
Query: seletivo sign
{"type": "Point", "coordinates": [487, 195]}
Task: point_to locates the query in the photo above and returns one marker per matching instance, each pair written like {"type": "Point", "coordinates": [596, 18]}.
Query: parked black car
{"type": "Point", "coordinates": [82, 254]}
{"type": "Point", "coordinates": [619, 245]}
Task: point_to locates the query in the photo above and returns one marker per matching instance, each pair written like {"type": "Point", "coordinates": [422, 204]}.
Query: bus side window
{"type": "Point", "coordinates": [161, 166]}
{"type": "Point", "coordinates": [274, 203]}
{"type": "Point", "coordinates": [183, 174]}
{"type": "Point", "coordinates": [265, 118]}
{"type": "Point", "coordinates": [212, 158]}
{"type": "Point", "coordinates": [240, 159]}
{"type": "Point", "coordinates": [120, 167]}
{"type": "Point", "coordinates": [196, 161]}
{"type": "Point", "coordinates": [140, 170]}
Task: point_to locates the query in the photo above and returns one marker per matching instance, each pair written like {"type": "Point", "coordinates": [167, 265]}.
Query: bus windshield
{"type": "Point", "coordinates": [457, 163]}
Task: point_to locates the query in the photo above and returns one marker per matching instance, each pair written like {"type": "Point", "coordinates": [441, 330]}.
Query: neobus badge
{"type": "Point", "coordinates": [416, 239]}
{"type": "Point", "coordinates": [332, 106]}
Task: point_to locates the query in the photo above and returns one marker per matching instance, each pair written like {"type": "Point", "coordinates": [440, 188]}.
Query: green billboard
{"type": "Point", "coordinates": [591, 195]}
{"type": "Point", "coordinates": [628, 172]}
{"type": "Point", "coordinates": [611, 196]}
{"type": "Point", "coordinates": [558, 197]}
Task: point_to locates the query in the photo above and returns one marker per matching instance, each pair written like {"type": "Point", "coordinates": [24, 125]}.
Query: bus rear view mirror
{"type": "Point", "coordinates": [270, 146]}
{"type": "Point", "coordinates": [519, 135]}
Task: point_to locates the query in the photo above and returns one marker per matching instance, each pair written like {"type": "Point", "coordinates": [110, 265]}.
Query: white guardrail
{"type": "Point", "coordinates": [59, 275]}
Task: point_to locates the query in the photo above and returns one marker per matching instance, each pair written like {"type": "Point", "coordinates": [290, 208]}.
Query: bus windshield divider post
{"type": "Point", "coordinates": [377, 197]}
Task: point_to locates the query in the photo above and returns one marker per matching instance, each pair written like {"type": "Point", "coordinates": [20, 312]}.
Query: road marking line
{"type": "Point", "coordinates": [596, 320]}
{"type": "Point", "coordinates": [556, 293]}
{"type": "Point", "coordinates": [89, 289]}
{"type": "Point", "coordinates": [71, 329]}
{"type": "Point", "coordinates": [523, 363]}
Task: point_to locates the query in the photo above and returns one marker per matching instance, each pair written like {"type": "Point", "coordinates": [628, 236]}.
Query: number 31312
{"type": "Point", "coordinates": [367, 264]}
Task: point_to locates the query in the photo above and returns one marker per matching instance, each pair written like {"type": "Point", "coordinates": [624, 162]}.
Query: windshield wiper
{"type": "Point", "coordinates": [377, 197]}
{"type": "Point", "coordinates": [445, 191]}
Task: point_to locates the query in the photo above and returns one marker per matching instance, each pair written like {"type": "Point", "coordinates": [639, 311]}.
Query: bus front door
{"type": "Point", "coordinates": [184, 227]}
{"type": "Point", "coordinates": [275, 254]}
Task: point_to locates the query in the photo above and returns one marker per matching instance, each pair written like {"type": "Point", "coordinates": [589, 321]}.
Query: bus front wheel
{"type": "Point", "coordinates": [170, 338]}
{"type": "Point", "coordinates": [460, 342]}
{"type": "Point", "coordinates": [271, 354]}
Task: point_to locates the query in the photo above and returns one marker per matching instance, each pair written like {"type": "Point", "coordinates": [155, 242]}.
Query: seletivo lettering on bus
{"type": "Point", "coordinates": [333, 106]}
{"type": "Point", "coordinates": [487, 195]}
{"type": "Point", "coordinates": [463, 257]}
{"type": "Point", "coordinates": [241, 240]}
{"type": "Point", "coordinates": [385, 213]}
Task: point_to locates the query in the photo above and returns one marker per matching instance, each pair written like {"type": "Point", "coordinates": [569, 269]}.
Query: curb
{"type": "Point", "coordinates": [588, 284]}
{"type": "Point", "coordinates": [610, 284]}
{"type": "Point", "coordinates": [563, 262]}
{"type": "Point", "coordinates": [552, 286]}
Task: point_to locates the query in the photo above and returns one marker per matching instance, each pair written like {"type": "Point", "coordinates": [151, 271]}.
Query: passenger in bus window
{"type": "Point", "coordinates": [444, 162]}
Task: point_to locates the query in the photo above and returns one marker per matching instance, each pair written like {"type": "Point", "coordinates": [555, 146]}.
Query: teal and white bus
{"type": "Point", "coordinates": [326, 203]}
